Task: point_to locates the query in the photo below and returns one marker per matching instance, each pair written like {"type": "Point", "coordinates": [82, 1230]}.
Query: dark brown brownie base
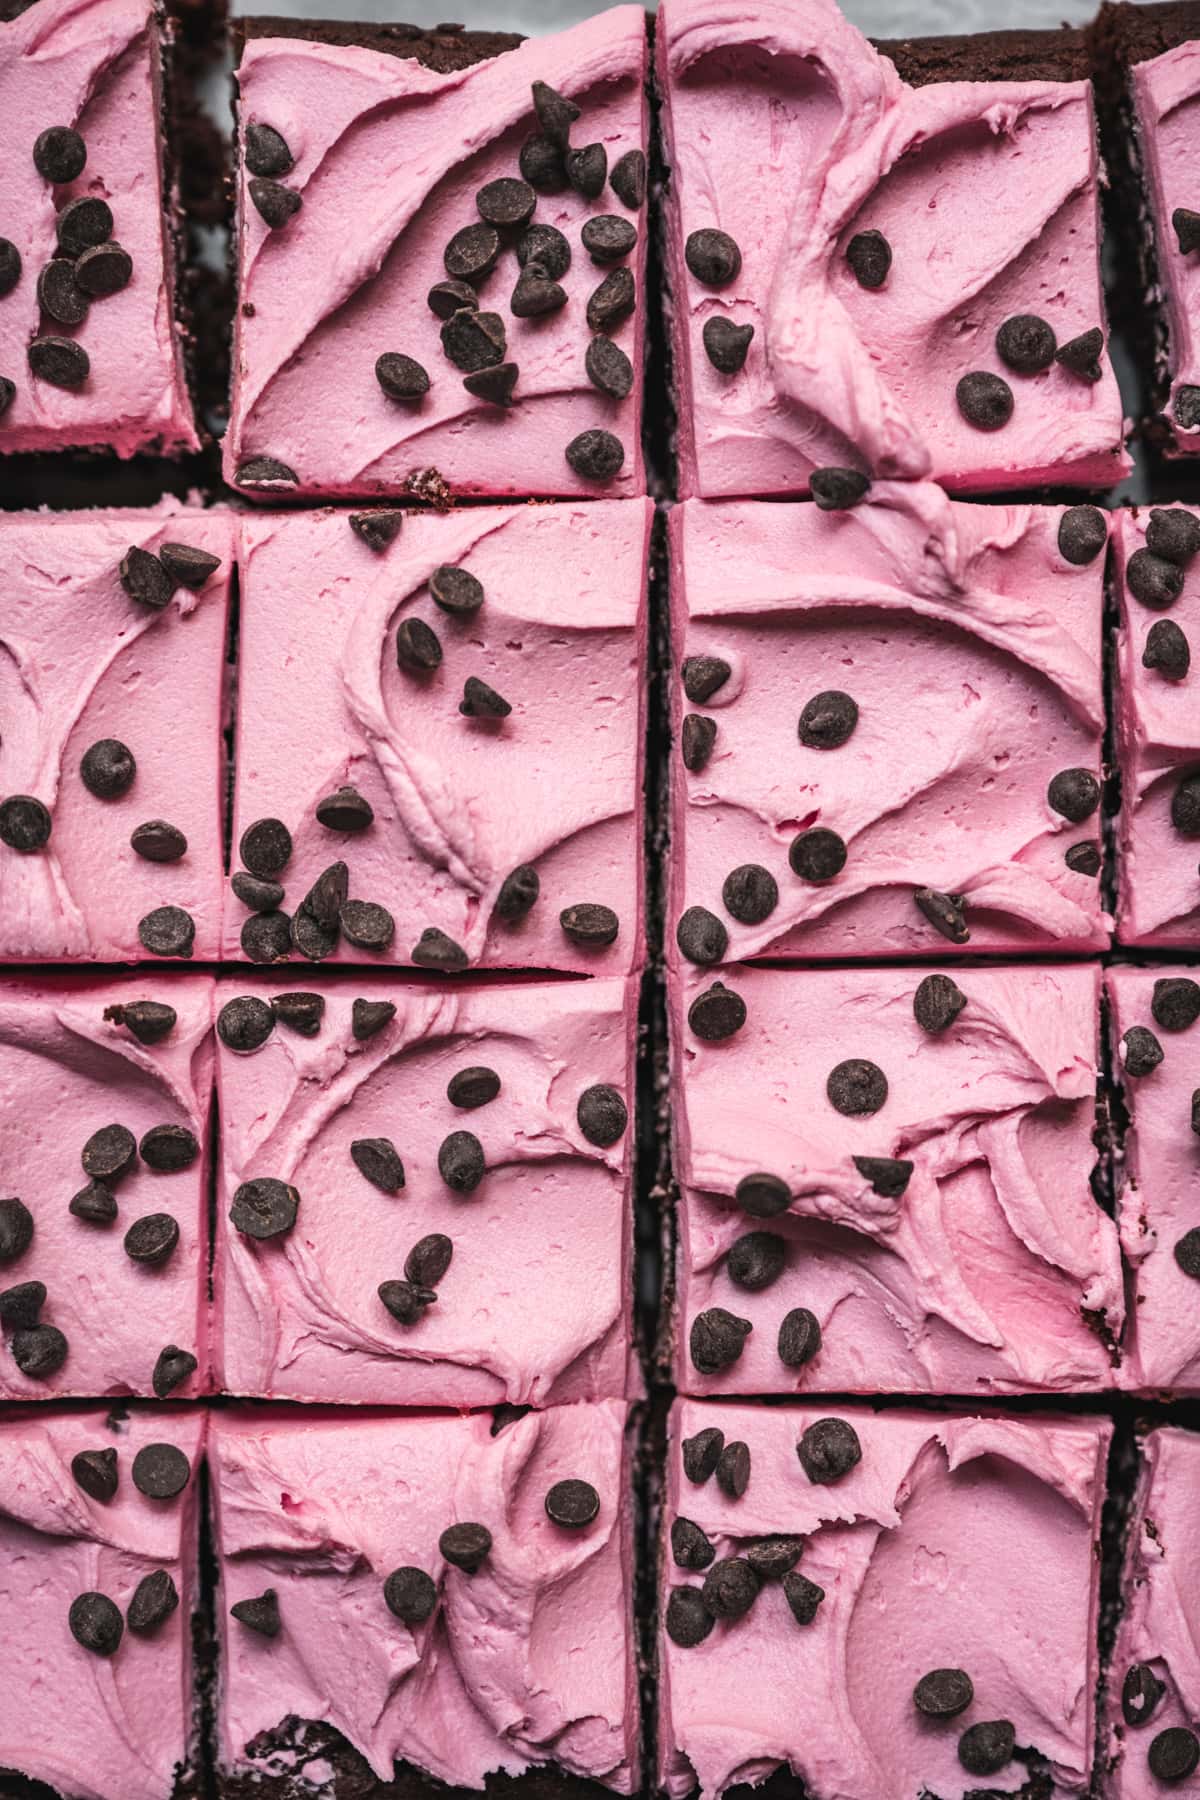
{"type": "Point", "coordinates": [23, 1787]}
{"type": "Point", "coordinates": [1060, 55]}
{"type": "Point", "coordinates": [443, 49]}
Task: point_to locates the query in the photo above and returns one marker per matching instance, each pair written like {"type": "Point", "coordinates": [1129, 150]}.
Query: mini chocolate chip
{"type": "Point", "coordinates": [1082, 534]}
{"type": "Point", "coordinates": [154, 1600]}
{"type": "Point", "coordinates": [59, 154]}
{"type": "Point", "coordinates": [104, 269]}
{"type": "Point", "coordinates": [1074, 793]}
{"type": "Point", "coordinates": [535, 294]}
{"type": "Point", "coordinates": [701, 936]}
{"type": "Point", "coordinates": [466, 1546]}
{"type": "Point", "coordinates": [461, 1162]}
{"type": "Point", "coordinates": [167, 931]}
{"type": "Point", "coordinates": [428, 1260]}
{"type": "Point", "coordinates": [152, 1240]}
{"type": "Point", "coordinates": [828, 1451]}
{"type": "Point", "coordinates": [1083, 859]}
{"type": "Point", "coordinates": [368, 1017]}
{"type": "Point", "coordinates": [344, 810]}
{"type": "Point", "coordinates": [471, 253]}
{"type": "Point", "coordinates": [803, 1596]}
{"type": "Point", "coordinates": [772, 1558]}
{"type": "Point", "coordinates": [39, 1351]}
{"type": "Point", "coordinates": [612, 302]}
{"type": "Point", "coordinates": [300, 1012]}
{"type": "Point", "coordinates": [474, 340]}
{"type": "Point", "coordinates": [266, 847]}
{"type": "Point", "coordinates": [8, 393]}
{"type": "Point", "coordinates": [1026, 343]}
{"type": "Point", "coordinates": [755, 1260]}
{"type": "Point", "coordinates": [750, 894]}
{"type": "Point", "coordinates": [608, 368]}
{"type": "Point", "coordinates": [828, 720]}
{"type": "Point", "coordinates": [596, 455]}
{"type": "Point", "coordinates": [95, 1471]}
{"type": "Point", "coordinates": [733, 1469]}
{"type": "Point", "coordinates": [943, 1693]}
{"type": "Point", "coordinates": [984, 400]}
{"type": "Point", "coordinates": [799, 1337]}
{"type": "Point", "coordinates": [266, 151]}
{"type": "Point", "coordinates": [274, 203]}
{"type": "Point", "coordinates": [107, 768]}
{"type": "Point", "coordinates": [245, 1023]}
{"type": "Point", "coordinates": [856, 1088]}
{"type": "Point", "coordinates": [546, 246]}
{"type": "Point", "coordinates": [1152, 580]}
{"type": "Point", "coordinates": [1186, 225]}
{"type": "Point", "coordinates": [406, 1303]}
{"type": "Point", "coordinates": [1174, 1754]}
{"type": "Point", "coordinates": [572, 1504]}
{"type": "Point", "coordinates": [94, 1204]}
{"type": "Point", "coordinates": [264, 1208]}
{"type": "Point", "coordinates": [985, 1748]}
{"type": "Point", "coordinates": [1141, 1692]}
{"type": "Point", "coordinates": [945, 912]}
{"type": "Point", "coordinates": [149, 1021]}
{"type": "Point", "coordinates": [763, 1196]}
{"type": "Point", "coordinates": [379, 1160]}
{"type": "Point", "coordinates": [688, 1621]}
{"type": "Point", "coordinates": [702, 1453]}
{"type": "Point", "coordinates": [172, 1368]}
{"type": "Point", "coordinates": [730, 1588]}
{"type": "Point", "coordinates": [327, 895]}
{"type": "Point", "coordinates": [59, 295]}
{"type": "Point", "coordinates": [818, 855]}
{"type": "Point", "coordinates": [480, 701]}
{"type": "Point", "coordinates": [379, 529]}
{"type": "Point", "coordinates": [607, 238]}
{"type": "Point", "coordinates": [506, 202]}
{"type": "Point", "coordinates": [555, 113]}
{"type": "Point", "coordinates": [518, 894]}
{"type": "Point", "coordinates": [83, 224]}
{"type": "Point", "coordinates": [1187, 1253]}
{"type": "Point", "coordinates": [717, 1013]}
{"type": "Point", "coordinates": [1167, 650]}
{"type": "Point", "coordinates": [10, 266]}
{"type": "Point", "coordinates": [1185, 807]}
{"type": "Point", "coordinates": [260, 1614]}
{"type": "Point", "coordinates": [96, 1623]}
{"type": "Point", "coordinates": [435, 950]}
{"type": "Point", "coordinates": [401, 377]}
{"type": "Point", "coordinates": [264, 471]}
{"type": "Point", "coordinates": [628, 179]}
{"type": "Point", "coordinates": [25, 823]}
{"type": "Point", "coordinates": [496, 385]}
{"type": "Point", "coordinates": [456, 590]}
{"type": "Point", "coordinates": [472, 1088]}
{"type": "Point", "coordinates": [1143, 1052]}
{"type": "Point", "coordinates": [541, 164]}
{"type": "Point", "coordinates": [888, 1175]}
{"type": "Point", "coordinates": [717, 1339]}
{"type": "Point", "coordinates": [410, 1594]}
{"type": "Point", "coordinates": [1173, 534]}
{"type": "Point", "coordinates": [266, 937]}
{"type": "Point", "coordinates": [1176, 1002]}
{"type": "Point", "coordinates": [602, 1115]}
{"type": "Point", "coordinates": [109, 1153]}
{"type": "Point", "coordinates": [155, 840]}
{"type": "Point", "coordinates": [21, 1306]}
{"type": "Point", "coordinates": [838, 490]}
{"type": "Point", "coordinates": [160, 1471]}
{"type": "Point", "coordinates": [1081, 355]}
{"type": "Point", "coordinates": [704, 676]}
{"type": "Point", "coordinates": [169, 1148]}
{"type": "Point", "coordinates": [870, 257]}
{"type": "Point", "coordinates": [726, 345]}
{"type": "Point", "coordinates": [697, 738]}
{"type": "Point", "coordinates": [690, 1549]}
{"type": "Point", "coordinates": [713, 257]}
{"type": "Point", "coordinates": [587, 169]}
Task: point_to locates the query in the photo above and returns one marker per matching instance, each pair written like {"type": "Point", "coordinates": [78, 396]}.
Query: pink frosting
{"type": "Point", "coordinates": [1166, 98]}
{"type": "Point", "coordinates": [956, 1542]}
{"type": "Point", "coordinates": [972, 649]}
{"type": "Point", "coordinates": [83, 662]}
{"type": "Point", "coordinates": [388, 162]}
{"type": "Point", "coordinates": [459, 802]}
{"type": "Point", "coordinates": [994, 1272]}
{"type": "Point", "coordinates": [527, 1661]}
{"type": "Point", "coordinates": [93, 65]}
{"type": "Point", "coordinates": [66, 1072]}
{"type": "Point", "coordinates": [1160, 1196]}
{"type": "Point", "coordinates": [299, 1316]}
{"type": "Point", "coordinates": [93, 1726]}
{"type": "Point", "coordinates": [1159, 1625]}
{"type": "Point", "coordinates": [1158, 740]}
{"type": "Point", "coordinates": [787, 129]}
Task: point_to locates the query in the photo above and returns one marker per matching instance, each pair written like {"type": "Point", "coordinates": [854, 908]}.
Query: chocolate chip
{"type": "Point", "coordinates": [245, 1023]}
{"type": "Point", "coordinates": [589, 924]}
{"type": "Point", "coordinates": [888, 1175]}
{"type": "Point", "coordinates": [109, 1153]}
{"type": "Point", "coordinates": [496, 385]}
{"type": "Point", "coordinates": [755, 1260]}
{"type": "Point", "coordinates": [169, 1148]}
{"type": "Point", "coordinates": [327, 895]}
{"type": "Point", "coordinates": [435, 950]}
{"type": "Point", "coordinates": [480, 701]}
{"type": "Point", "coordinates": [535, 294]}
{"type": "Point", "coordinates": [1141, 1692]}
{"type": "Point", "coordinates": [1186, 225]}
{"type": "Point", "coordinates": [1153, 581]}
{"type": "Point", "coordinates": [803, 1596]}
{"type": "Point", "coordinates": [428, 1260]}
{"type": "Point", "coordinates": [59, 154]}
{"type": "Point", "coordinates": [607, 238]}
{"type": "Point", "coordinates": [828, 720]}
{"type": "Point", "coordinates": [274, 203]}
{"type": "Point", "coordinates": [264, 471]}
{"type": "Point", "coordinates": [410, 1594]}
{"type": "Point", "coordinates": [772, 1558]}
{"type": "Point", "coordinates": [461, 1162]}
{"type": "Point", "coordinates": [1143, 1052]}
{"type": "Point", "coordinates": [167, 931]}
{"type": "Point", "coordinates": [730, 1588]}
{"type": "Point", "coordinates": [713, 257]}
{"type": "Point", "coordinates": [104, 269]}
{"type": "Point", "coordinates": [266, 847]}
{"type": "Point", "coordinates": [39, 1351]}
{"type": "Point", "coordinates": [474, 340]}
{"type": "Point", "coordinates": [628, 179]}
{"type": "Point", "coordinates": [701, 936]}
{"type": "Point", "coordinates": [10, 266]}
{"type": "Point", "coordinates": [717, 1339]}
{"type": "Point", "coordinates": [1026, 343]}
{"type": "Point", "coordinates": [697, 738]}
{"type": "Point", "coordinates": [799, 1338]}
{"type": "Point", "coordinates": [945, 912]}
{"type": "Point", "coordinates": [94, 1205]}
{"type": "Point", "coordinates": [985, 1748]}
{"type": "Point", "coordinates": [750, 894]}
{"type": "Point", "coordinates": [8, 393]}
{"type": "Point", "coordinates": [264, 1208]}
{"type": "Point", "coordinates": [818, 855]}
{"type": "Point", "coordinates": [688, 1620]}
{"type": "Point", "coordinates": [828, 1451]}
{"type": "Point", "coordinates": [1082, 534]}
{"type": "Point", "coordinates": [160, 1471]}
{"type": "Point", "coordinates": [870, 257]}
{"type": "Point", "coordinates": [456, 590]}
{"type": "Point", "coordinates": [1185, 808]}
{"type": "Point", "coordinates": [763, 1196]}
{"type": "Point", "coordinates": [149, 1021]}
{"type": "Point", "coordinates": [838, 490]}
{"type": "Point", "coordinates": [541, 164]}
{"type": "Point", "coordinates": [602, 1115]}
{"type": "Point", "coordinates": [1174, 1754]}
{"type": "Point", "coordinates": [717, 1013]}
{"type": "Point", "coordinates": [690, 1548]}
{"type": "Point", "coordinates": [266, 937]}
{"type": "Point", "coordinates": [1176, 1002]}
{"type": "Point", "coordinates": [401, 377]}
{"type": "Point", "coordinates": [1187, 406]}
{"type": "Point", "coordinates": [379, 1160]}
{"type": "Point", "coordinates": [158, 841]}
{"type": "Point", "coordinates": [24, 823]}
{"type": "Point", "coordinates": [1173, 534]}
{"type": "Point", "coordinates": [1074, 793]}
{"type": "Point", "coordinates": [344, 810]}
{"type": "Point", "coordinates": [266, 151]}
{"type": "Point", "coordinates": [299, 1012]}
{"type": "Point", "coordinates": [59, 296]}
{"type": "Point", "coordinates": [96, 1623]}
{"type": "Point", "coordinates": [313, 939]}
{"type": "Point", "coordinates": [612, 302]}
{"type": "Point", "coordinates": [733, 1469]}
{"type": "Point", "coordinates": [608, 368]}
{"type": "Point", "coordinates": [572, 1504]}
{"type": "Point", "coordinates": [856, 1088]}
{"type": "Point", "coordinates": [406, 1303]}
{"type": "Point", "coordinates": [1167, 650]}
{"type": "Point", "coordinates": [702, 1453]}
{"type": "Point", "coordinates": [171, 1369]}
{"type": "Point", "coordinates": [587, 169]}
{"type": "Point", "coordinates": [21, 1306]}
{"type": "Point", "coordinates": [506, 202]}
{"type": "Point", "coordinates": [95, 1471]}
{"type": "Point", "coordinates": [471, 253]}
{"type": "Point", "coordinates": [984, 400]}
{"type": "Point", "coordinates": [704, 676]}
{"type": "Point", "coordinates": [368, 1017]}
{"type": "Point", "coordinates": [555, 113]}
{"type": "Point", "coordinates": [1187, 1253]}
{"type": "Point", "coordinates": [596, 455]}
{"type": "Point", "coordinates": [261, 1614]}
{"type": "Point", "coordinates": [152, 1239]}
{"type": "Point", "coordinates": [546, 246]}
{"type": "Point", "coordinates": [472, 1088]}
{"type": "Point", "coordinates": [943, 1693]}
{"type": "Point", "coordinates": [518, 894]}
{"type": "Point", "coordinates": [107, 768]}
{"type": "Point", "coordinates": [726, 345]}
{"type": "Point", "coordinates": [1081, 356]}
{"type": "Point", "coordinates": [1083, 859]}
{"type": "Point", "coordinates": [466, 1546]}
{"type": "Point", "coordinates": [378, 530]}
{"type": "Point", "coordinates": [154, 1600]}
{"type": "Point", "coordinates": [83, 224]}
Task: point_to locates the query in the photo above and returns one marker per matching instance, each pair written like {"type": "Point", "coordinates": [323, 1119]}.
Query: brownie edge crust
{"type": "Point", "coordinates": [443, 51]}
{"type": "Point", "coordinates": [1060, 55]}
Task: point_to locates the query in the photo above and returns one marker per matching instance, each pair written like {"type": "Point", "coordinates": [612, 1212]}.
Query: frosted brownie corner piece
{"type": "Point", "coordinates": [440, 739]}
{"type": "Point", "coordinates": [91, 348]}
{"type": "Point", "coordinates": [104, 1173]}
{"type": "Point", "coordinates": [425, 1193]}
{"type": "Point", "coordinates": [888, 728]}
{"type": "Point", "coordinates": [478, 326]}
{"type": "Point", "coordinates": [1158, 726]}
{"type": "Point", "coordinates": [839, 1612]}
{"type": "Point", "coordinates": [112, 760]}
{"type": "Point", "coordinates": [427, 1600]}
{"type": "Point", "coordinates": [99, 1514]}
{"type": "Point", "coordinates": [828, 310]}
{"type": "Point", "coordinates": [885, 1183]}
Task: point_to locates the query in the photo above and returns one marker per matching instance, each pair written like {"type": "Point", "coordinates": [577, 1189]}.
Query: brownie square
{"type": "Point", "coordinates": [98, 1525]}
{"type": "Point", "coordinates": [462, 1655]}
{"type": "Point", "coordinates": [890, 724]}
{"type": "Point", "coordinates": [90, 348]}
{"type": "Point", "coordinates": [874, 237]}
{"type": "Point", "coordinates": [839, 1561]}
{"type": "Point", "coordinates": [357, 371]}
{"type": "Point", "coordinates": [479, 688]}
{"type": "Point", "coordinates": [884, 1183]}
